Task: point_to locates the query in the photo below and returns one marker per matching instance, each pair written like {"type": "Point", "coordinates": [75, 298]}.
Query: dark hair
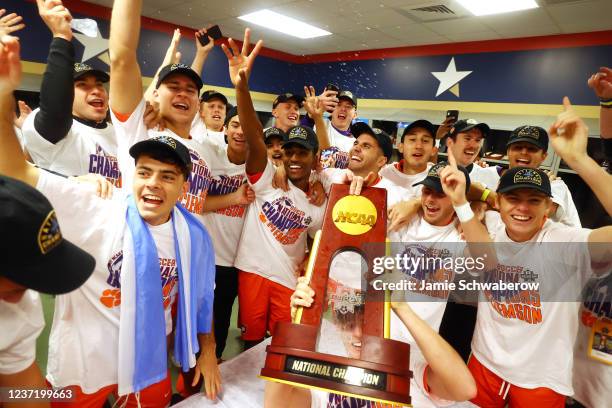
{"type": "Point", "coordinates": [433, 137]}
{"type": "Point", "coordinates": [164, 156]}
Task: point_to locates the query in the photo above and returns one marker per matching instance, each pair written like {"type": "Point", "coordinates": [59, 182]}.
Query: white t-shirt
{"type": "Point", "coordinates": [485, 175]}
{"type": "Point", "coordinates": [225, 224]}
{"type": "Point", "coordinates": [336, 155]}
{"type": "Point", "coordinates": [593, 378]}
{"type": "Point", "coordinates": [394, 173]}
{"type": "Point", "coordinates": [523, 338]}
{"type": "Point", "coordinates": [133, 130]}
{"type": "Point", "coordinates": [273, 241]}
{"type": "Point", "coordinates": [84, 150]}
{"type": "Point", "coordinates": [84, 339]}
{"type": "Point", "coordinates": [21, 324]}
{"type": "Point", "coordinates": [201, 133]}
{"type": "Point", "coordinates": [566, 212]}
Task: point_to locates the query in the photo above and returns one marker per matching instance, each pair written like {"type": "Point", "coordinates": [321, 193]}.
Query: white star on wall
{"type": "Point", "coordinates": [449, 79]}
{"type": "Point", "coordinates": [92, 40]}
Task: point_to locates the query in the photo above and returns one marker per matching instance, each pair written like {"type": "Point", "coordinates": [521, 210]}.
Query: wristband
{"type": "Point", "coordinates": [464, 212]}
{"type": "Point", "coordinates": [485, 194]}
{"type": "Point", "coordinates": [605, 103]}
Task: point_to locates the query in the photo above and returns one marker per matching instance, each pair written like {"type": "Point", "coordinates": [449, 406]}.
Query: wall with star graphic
{"type": "Point", "coordinates": [551, 68]}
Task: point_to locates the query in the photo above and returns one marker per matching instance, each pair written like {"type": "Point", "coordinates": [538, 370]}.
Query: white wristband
{"type": "Point", "coordinates": [464, 212]}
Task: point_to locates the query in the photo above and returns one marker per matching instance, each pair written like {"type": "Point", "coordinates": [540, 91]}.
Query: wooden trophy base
{"type": "Point", "coordinates": [292, 359]}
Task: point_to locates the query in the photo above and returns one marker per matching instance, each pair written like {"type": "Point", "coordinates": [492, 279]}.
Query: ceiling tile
{"type": "Point", "coordinates": [529, 31]}
{"type": "Point", "coordinates": [480, 36]}
{"type": "Point", "coordinates": [517, 20]}
{"type": "Point", "coordinates": [457, 26]}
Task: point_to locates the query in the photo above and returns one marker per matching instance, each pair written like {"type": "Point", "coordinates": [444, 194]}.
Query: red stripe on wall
{"type": "Point", "coordinates": [513, 44]}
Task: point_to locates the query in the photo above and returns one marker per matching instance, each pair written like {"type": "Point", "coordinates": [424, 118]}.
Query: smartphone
{"type": "Point", "coordinates": [213, 32]}
{"type": "Point", "coordinates": [454, 114]}
{"type": "Point", "coordinates": [332, 87]}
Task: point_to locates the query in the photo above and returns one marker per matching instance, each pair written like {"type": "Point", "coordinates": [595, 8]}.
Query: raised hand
{"type": "Point", "coordinates": [173, 55]}
{"type": "Point", "coordinates": [10, 65]}
{"type": "Point", "coordinates": [9, 23]}
{"type": "Point", "coordinates": [329, 99]}
{"type": "Point", "coordinates": [601, 83]}
{"type": "Point", "coordinates": [241, 60]}
{"type": "Point", "coordinates": [56, 17]}
{"type": "Point", "coordinates": [453, 180]}
{"type": "Point", "coordinates": [312, 103]}
{"type": "Point", "coordinates": [444, 128]}
{"type": "Point", "coordinates": [24, 111]}
{"type": "Point", "coordinates": [569, 134]}
{"type": "Point", "coordinates": [204, 49]}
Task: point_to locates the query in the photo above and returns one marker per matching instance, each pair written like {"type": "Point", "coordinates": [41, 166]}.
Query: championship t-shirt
{"type": "Point", "coordinates": [225, 224]}
{"type": "Point", "coordinates": [336, 156]}
{"type": "Point", "coordinates": [394, 173]}
{"type": "Point", "coordinates": [133, 130]}
{"type": "Point", "coordinates": [273, 241]}
{"type": "Point", "coordinates": [526, 336]}
{"type": "Point", "coordinates": [21, 324]}
{"type": "Point", "coordinates": [84, 339]}
{"type": "Point", "coordinates": [84, 150]}
{"type": "Point", "coordinates": [201, 133]}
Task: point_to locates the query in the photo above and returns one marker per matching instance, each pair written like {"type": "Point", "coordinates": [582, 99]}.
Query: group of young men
{"type": "Point", "coordinates": [184, 185]}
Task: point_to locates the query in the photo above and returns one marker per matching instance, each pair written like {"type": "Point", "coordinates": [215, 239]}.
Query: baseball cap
{"type": "Point", "coordinates": [213, 94]}
{"type": "Point", "coordinates": [348, 95]}
{"type": "Point", "coordinates": [432, 180]}
{"type": "Point", "coordinates": [274, 132]}
{"type": "Point", "coordinates": [383, 139]}
{"type": "Point", "coordinates": [524, 177]}
{"type": "Point", "coordinates": [35, 254]}
{"type": "Point", "coordinates": [534, 135]}
{"type": "Point", "coordinates": [183, 69]}
{"type": "Point", "coordinates": [81, 69]}
{"type": "Point", "coordinates": [421, 123]}
{"type": "Point", "coordinates": [233, 111]}
{"type": "Point", "coordinates": [164, 142]}
{"type": "Point", "coordinates": [302, 135]}
{"type": "Point", "coordinates": [465, 125]}
{"type": "Point", "coordinates": [288, 97]}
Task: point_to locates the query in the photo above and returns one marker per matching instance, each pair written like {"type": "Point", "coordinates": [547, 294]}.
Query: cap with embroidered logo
{"type": "Point", "coordinates": [182, 69]}
{"type": "Point", "coordinates": [35, 254]}
{"type": "Point", "coordinates": [81, 69]}
{"type": "Point", "coordinates": [432, 180]}
{"type": "Point", "coordinates": [524, 177]}
{"type": "Point", "coordinates": [534, 135]}
{"type": "Point", "coordinates": [348, 95]}
{"type": "Point", "coordinates": [465, 125]}
{"type": "Point", "coordinates": [303, 136]}
{"type": "Point", "coordinates": [288, 96]}
{"type": "Point", "coordinates": [382, 137]}
{"type": "Point", "coordinates": [274, 132]}
{"type": "Point", "coordinates": [423, 124]}
{"type": "Point", "coordinates": [213, 94]}
{"type": "Point", "coordinates": [164, 142]}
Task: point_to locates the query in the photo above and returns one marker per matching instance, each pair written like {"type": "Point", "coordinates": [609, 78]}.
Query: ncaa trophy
{"type": "Point", "coordinates": [341, 343]}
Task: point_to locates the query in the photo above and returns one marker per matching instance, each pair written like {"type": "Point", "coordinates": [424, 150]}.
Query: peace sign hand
{"type": "Point", "coordinates": [453, 180]}
{"type": "Point", "coordinates": [241, 60]}
{"type": "Point", "coordinates": [312, 103]}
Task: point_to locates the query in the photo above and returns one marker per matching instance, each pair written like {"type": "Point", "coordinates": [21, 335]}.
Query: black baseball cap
{"type": "Point", "coordinates": [81, 69]}
{"type": "Point", "coordinates": [183, 69]}
{"type": "Point", "coordinates": [35, 254]}
{"type": "Point", "coordinates": [233, 111]}
{"type": "Point", "coordinates": [302, 135]}
{"type": "Point", "coordinates": [464, 125]}
{"type": "Point", "coordinates": [421, 123]}
{"type": "Point", "coordinates": [432, 180]}
{"type": "Point", "coordinates": [213, 94]}
{"type": "Point", "coordinates": [524, 177]}
{"type": "Point", "coordinates": [534, 135]}
{"type": "Point", "coordinates": [383, 139]}
{"type": "Point", "coordinates": [274, 132]}
{"type": "Point", "coordinates": [299, 99]}
{"type": "Point", "coordinates": [164, 142]}
{"type": "Point", "coordinates": [349, 96]}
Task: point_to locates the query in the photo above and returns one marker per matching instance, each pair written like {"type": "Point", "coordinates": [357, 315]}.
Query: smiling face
{"type": "Point", "coordinates": [157, 187]}
{"type": "Point", "coordinates": [287, 115]}
{"type": "Point", "coordinates": [366, 156]}
{"type": "Point", "coordinates": [298, 162]}
{"type": "Point", "coordinates": [343, 115]}
{"type": "Point", "coordinates": [213, 114]}
{"type": "Point", "coordinates": [437, 207]}
{"type": "Point", "coordinates": [235, 138]}
{"type": "Point", "coordinates": [525, 154]}
{"type": "Point", "coordinates": [178, 100]}
{"type": "Point", "coordinates": [274, 145]}
{"type": "Point", "coordinates": [467, 146]}
{"type": "Point", "coordinates": [90, 99]}
{"type": "Point", "coordinates": [417, 149]}
{"type": "Point", "coordinates": [524, 212]}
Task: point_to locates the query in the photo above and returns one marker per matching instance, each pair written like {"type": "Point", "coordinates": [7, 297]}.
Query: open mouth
{"type": "Point", "coordinates": [341, 116]}
{"type": "Point", "coordinates": [181, 106]}
{"type": "Point", "coordinates": [523, 162]}
{"type": "Point", "coordinates": [97, 103]}
{"type": "Point", "coordinates": [521, 218]}
{"type": "Point", "coordinates": [277, 156]}
{"type": "Point", "coordinates": [356, 343]}
{"type": "Point", "coordinates": [152, 199]}
{"type": "Point", "coordinates": [469, 152]}
{"type": "Point", "coordinates": [294, 167]}
{"type": "Point", "coordinates": [293, 117]}
{"type": "Point", "coordinates": [417, 155]}
{"type": "Point", "coordinates": [356, 159]}
{"type": "Point", "coordinates": [431, 210]}
{"type": "Point", "coordinates": [216, 117]}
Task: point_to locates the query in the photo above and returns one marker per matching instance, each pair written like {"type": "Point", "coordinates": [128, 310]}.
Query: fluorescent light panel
{"type": "Point", "coordinates": [286, 25]}
{"type": "Point", "coordinates": [486, 7]}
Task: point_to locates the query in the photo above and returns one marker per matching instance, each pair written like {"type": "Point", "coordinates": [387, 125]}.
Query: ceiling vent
{"type": "Point", "coordinates": [439, 10]}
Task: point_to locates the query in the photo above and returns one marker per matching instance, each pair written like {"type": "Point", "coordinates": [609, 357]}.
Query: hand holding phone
{"type": "Point", "coordinates": [213, 32]}
{"type": "Point", "coordinates": [453, 115]}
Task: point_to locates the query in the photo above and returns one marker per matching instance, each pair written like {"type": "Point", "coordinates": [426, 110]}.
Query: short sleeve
{"type": "Point", "coordinates": [21, 324]}
{"type": "Point", "coordinates": [264, 183]}
{"type": "Point", "coordinates": [567, 213]}
{"type": "Point", "coordinates": [41, 150]}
